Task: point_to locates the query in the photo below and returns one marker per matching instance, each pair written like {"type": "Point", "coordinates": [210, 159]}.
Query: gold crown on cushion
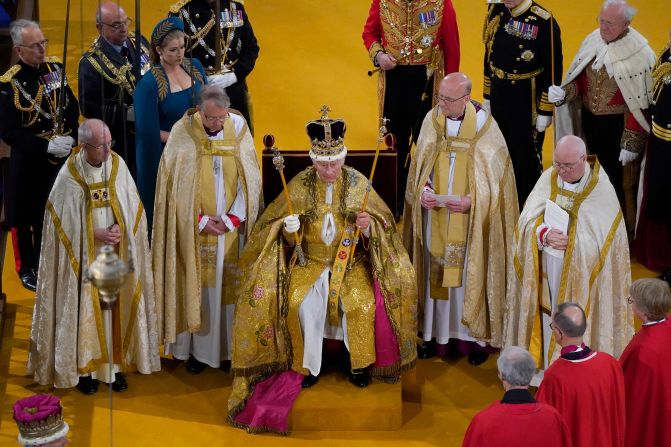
{"type": "Point", "coordinates": [40, 419]}
{"type": "Point", "coordinates": [327, 137]}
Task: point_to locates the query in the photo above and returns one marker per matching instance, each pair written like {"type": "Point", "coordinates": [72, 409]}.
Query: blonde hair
{"type": "Point", "coordinates": [652, 297]}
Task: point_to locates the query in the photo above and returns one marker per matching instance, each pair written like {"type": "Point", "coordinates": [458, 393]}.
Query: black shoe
{"type": "Point", "coordinates": [225, 365]}
{"type": "Point", "coordinates": [29, 280]}
{"type": "Point", "coordinates": [309, 381]}
{"type": "Point", "coordinates": [87, 385]}
{"type": "Point", "coordinates": [119, 383]}
{"type": "Point", "coordinates": [476, 357]}
{"type": "Point", "coordinates": [426, 350]}
{"type": "Point", "coordinates": [194, 366]}
{"type": "Point", "coordinates": [360, 377]}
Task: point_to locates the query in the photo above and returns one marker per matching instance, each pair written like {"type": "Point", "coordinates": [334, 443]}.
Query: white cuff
{"type": "Point", "coordinates": [203, 221]}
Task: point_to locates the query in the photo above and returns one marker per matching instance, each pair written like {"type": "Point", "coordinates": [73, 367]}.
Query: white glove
{"type": "Point", "coordinates": [487, 106]}
{"type": "Point", "coordinates": [556, 94]}
{"type": "Point", "coordinates": [291, 223]}
{"type": "Point", "coordinates": [542, 122]}
{"type": "Point", "coordinates": [627, 156]}
{"type": "Point", "coordinates": [60, 146]}
{"type": "Point", "coordinates": [223, 80]}
{"type": "Point", "coordinates": [130, 113]}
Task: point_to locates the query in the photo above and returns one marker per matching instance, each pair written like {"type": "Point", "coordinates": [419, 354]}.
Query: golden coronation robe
{"type": "Point", "coordinates": [485, 249]}
{"type": "Point", "coordinates": [183, 258]}
{"type": "Point", "coordinates": [68, 336]}
{"type": "Point", "coordinates": [595, 272]}
{"type": "Point", "coordinates": [267, 330]}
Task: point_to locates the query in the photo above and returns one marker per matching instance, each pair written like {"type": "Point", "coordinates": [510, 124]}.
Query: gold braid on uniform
{"type": "Point", "coordinates": [661, 75]}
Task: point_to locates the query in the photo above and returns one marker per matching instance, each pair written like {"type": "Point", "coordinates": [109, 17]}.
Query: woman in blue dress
{"type": "Point", "coordinates": [168, 90]}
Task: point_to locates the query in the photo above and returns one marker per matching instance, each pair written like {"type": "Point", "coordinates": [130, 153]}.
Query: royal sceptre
{"type": "Point", "coordinates": [389, 140]}
{"type": "Point", "coordinates": [60, 118]}
{"type": "Point", "coordinates": [278, 162]}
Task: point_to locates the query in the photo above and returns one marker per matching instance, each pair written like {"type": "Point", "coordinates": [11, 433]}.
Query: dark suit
{"type": "Point", "coordinates": [28, 130]}
{"type": "Point", "coordinates": [107, 80]}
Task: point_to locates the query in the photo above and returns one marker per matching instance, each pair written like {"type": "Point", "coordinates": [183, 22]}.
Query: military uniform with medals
{"type": "Point", "coordinates": [107, 80]}
{"type": "Point", "coordinates": [423, 37]}
{"type": "Point", "coordinates": [239, 49]}
{"type": "Point", "coordinates": [29, 99]}
{"type": "Point", "coordinates": [517, 74]}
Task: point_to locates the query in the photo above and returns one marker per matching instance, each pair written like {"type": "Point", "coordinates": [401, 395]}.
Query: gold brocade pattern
{"type": "Point", "coordinates": [267, 335]}
{"type": "Point", "coordinates": [491, 224]}
{"type": "Point", "coordinates": [600, 91]}
{"type": "Point", "coordinates": [595, 273]}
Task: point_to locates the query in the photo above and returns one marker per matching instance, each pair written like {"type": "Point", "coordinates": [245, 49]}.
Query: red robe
{"type": "Point", "coordinates": [519, 425]}
{"type": "Point", "coordinates": [647, 376]}
{"type": "Point", "coordinates": [589, 394]}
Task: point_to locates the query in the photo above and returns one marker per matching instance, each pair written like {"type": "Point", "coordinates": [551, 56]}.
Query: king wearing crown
{"type": "Point", "coordinates": [288, 304]}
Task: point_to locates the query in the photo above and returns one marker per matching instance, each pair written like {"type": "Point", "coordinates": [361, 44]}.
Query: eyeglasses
{"type": "Point", "coordinates": [109, 145]}
{"type": "Point", "coordinates": [440, 98]}
{"type": "Point", "coordinates": [567, 166]}
{"type": "Point", "coordinates": [118, 25]}
{"type": "Point", "coordinates": [214, 119]}
{"type": "Point", "coordinates": [36, 46]}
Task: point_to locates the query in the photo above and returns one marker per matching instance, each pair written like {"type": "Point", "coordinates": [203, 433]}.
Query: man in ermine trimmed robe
{"type": "Point", "coordinates": [287, 307]}
{"type": "Point", "coordinates": [208, 195]}
{"type": "Point", "coordinates": [94, 202]}
{"type": "Point", "coordinates": [586, 387]}
{"type": "Point", "coordinates": [461, 248]}
{"type": "Point", "coordinates": [570, 244]}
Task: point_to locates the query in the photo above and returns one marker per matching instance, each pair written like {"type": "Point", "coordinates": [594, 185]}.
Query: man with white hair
{"type": "Point", "coordinates": [570, 243]}
{"type": "Point", "coordinates": [606, 92]}
{"type": "Point", "coordinates": [30, 103]}
{"type": "Point", "coordinates": [290, 303]}
{"type": "Point", "coordinates": [76, 339]}
{"type": "Point", "coordinates": [208, 196]}
{"type": "Point", "coordinates": [518, 419]}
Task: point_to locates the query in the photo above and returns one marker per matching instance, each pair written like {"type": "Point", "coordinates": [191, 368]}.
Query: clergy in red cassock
{"type": "Point", "coordinates": [647, 366]}
{"type": "Point", "coordinates": [517, 419]}
{"type": "Point", "coordinates": [585, 386]}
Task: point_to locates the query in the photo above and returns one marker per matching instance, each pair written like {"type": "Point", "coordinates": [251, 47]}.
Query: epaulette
{"type": "Point", "coordinates": [9, 74]}
{"type": "Point", "coordinates": [93, 47]}
{"type": "Point", "coordinates": [179, 5]}
{"type": "Point", "coordinates": [540, 12]}
{"type": "Point", "coordinates": [53, 60]}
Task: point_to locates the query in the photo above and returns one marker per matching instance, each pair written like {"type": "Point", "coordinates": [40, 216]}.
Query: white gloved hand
{"type": "Point", "coordinates": [556, 94]}
{"type": "Point", "coordinates": [627, 156]}
{"type": "Point", "coordinates": [291, 223]}
{"type": "Point", "coordinates": [223, 80]}
{"type": "Point", "coordinates": [130, 113]}
{"type": "Point", "coordinates": [542, 122]}
{"type": "Point", "coordinates": [487, 105]}
{"type": "Point", "coordinates": [60, 146]}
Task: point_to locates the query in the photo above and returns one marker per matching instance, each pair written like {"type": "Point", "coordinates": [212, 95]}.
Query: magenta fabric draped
{"type": "Point", "coordinates": [386, 344]}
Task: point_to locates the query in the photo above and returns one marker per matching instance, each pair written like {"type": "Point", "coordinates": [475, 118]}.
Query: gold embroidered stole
{"type": "Point", "coordinates": [449, 230]}
{"type": "Point", "coordinates": [226, 149]}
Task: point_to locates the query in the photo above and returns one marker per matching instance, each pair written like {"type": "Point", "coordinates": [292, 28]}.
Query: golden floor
{"type": "Point", "coordinates": [311, 53]}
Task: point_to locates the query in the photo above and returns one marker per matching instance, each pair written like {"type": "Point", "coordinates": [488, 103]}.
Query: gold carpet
{"type": "Point", "coordinates": [311, 54]}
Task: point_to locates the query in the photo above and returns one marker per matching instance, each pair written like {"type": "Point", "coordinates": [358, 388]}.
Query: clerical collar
{"type": "Point", "coordinates": [575, 352]}
{"type": "Point", "coordinates": [518, 396]}
{"type": "Point", "coordinates": [576, 182]}
{"type": "Point", "coordinates": [521, 8]}
{"type": "Point", "coordinates": [212, 133]}
{"type": "Point", "coordinates": [652, 323]}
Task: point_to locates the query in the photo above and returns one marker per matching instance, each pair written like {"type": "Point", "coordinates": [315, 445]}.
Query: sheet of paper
{"type": "Point", "coordinates": [443, 199]}
{"type": "Point", "coordinates": [557, 219]}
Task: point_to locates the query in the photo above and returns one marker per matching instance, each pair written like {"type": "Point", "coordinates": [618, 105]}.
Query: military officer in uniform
{"type": "Point", "coordinates": [107, 78]}
{"type": "Point", "coordinates": [239, 49]}
{"type": "Point", "coordinates": [30, 99]}
{"type": "Point", "coordinates": [521, 39]}
{"type": "Point", "coordinates": [414, 44]}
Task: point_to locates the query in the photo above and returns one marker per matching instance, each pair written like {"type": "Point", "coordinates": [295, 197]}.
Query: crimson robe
{"type": "Point", "coordinates": [530, 424]}
{"type": "Point", "coordinates": [647, 376]}
{"type": "Point", "coordinates": [589, 394]}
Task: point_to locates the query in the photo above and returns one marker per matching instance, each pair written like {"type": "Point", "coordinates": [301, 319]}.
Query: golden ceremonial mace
{"type": "Point", "coordinates": [278, 162]}
{"type": "Point", "coordinates": [389, 140]}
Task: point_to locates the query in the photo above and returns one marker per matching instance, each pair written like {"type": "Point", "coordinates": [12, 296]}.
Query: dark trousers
{"type": "Point", "coordinates": [405, 110]}
{"type": "Point", "coordinates": [602, 136]}
{"type": "Point", "coordinates": [511, 105]}
{"type": "Point", "coordinates": [29, 239]}
{"type": "Point", "coordinates": [239, 97]}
